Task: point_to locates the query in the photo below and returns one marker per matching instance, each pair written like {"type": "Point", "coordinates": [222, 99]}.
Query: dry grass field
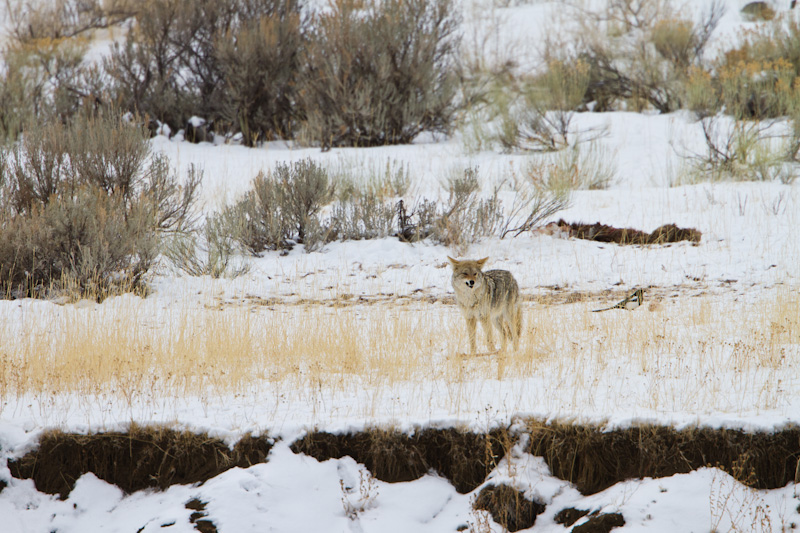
{"type": "Point", "coordinates": [676, 354]}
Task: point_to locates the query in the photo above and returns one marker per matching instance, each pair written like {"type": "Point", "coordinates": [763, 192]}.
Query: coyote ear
{"type": "Point", "coordinates": [453, 262]}
{"type": "Point", "coordinates": [482, 262]}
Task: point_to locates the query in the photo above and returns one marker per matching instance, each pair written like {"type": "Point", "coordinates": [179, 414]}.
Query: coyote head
{"type": "Point", "coordinates": [467, 273]}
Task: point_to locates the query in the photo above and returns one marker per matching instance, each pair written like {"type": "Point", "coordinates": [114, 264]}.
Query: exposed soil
{"type": "Point", "coordinates": [587, 456]}
{"type": "Point", "coordinates": [600, 523]}
{"type": "Point", "coordinates": [198, 517]}
{"type": "Point", "coordinates": [567, 517]}
{"type": "Point", "coordinates": [143, 457]}
{"type": "Point", "coordinates": [594, 460]}
{"type": "Point", "coordinates": [509, 507]}
{"type": "Point", "coordinates": [462, 457]}
{"type": "Point", "coordinates": [596, 523]}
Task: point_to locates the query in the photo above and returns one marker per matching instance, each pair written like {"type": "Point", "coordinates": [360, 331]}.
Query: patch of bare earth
{"type": "Point", "coordinates": [589, 457]}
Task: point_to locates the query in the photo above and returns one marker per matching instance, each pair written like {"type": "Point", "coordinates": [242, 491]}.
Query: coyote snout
{"type": "Point", "coordinates": [491, 297]}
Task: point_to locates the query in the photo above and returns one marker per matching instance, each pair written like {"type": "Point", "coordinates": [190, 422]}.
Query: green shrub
{"type": "Point", "coordinates": [85, 206]}
{"type": "Point", "coordinates": [379, 72]}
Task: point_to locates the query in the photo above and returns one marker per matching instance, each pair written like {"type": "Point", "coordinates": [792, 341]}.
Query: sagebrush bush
{"type": "Point", "coordinates": [585, 167]}
{"type": "Point", "coordinates": [303, 189]}
{"type": "Point", "coordinates": [363, 216]}
{"type": "Point", "coordinates": [44, 75]}
{"type": "Point", "coordinates": [282, 208]}
{"type": "Point", "coordinates": [268, 217]}
{"type": "Point", "coordinates": [229, 61]}
{"type": "Point", "coordinates": [462, 219]}
{"type": "Point", "coordinates": [676, 40]}
{"type": "Point", "coordinates": [779, 40]}
{"type": "Point", "coordinates": [59, 19]}
{"type": "Point", "coordinates": [758, 90]}
{"type": "Point", "coordinates": [16, 105]}
{"type": "Point", "coordinates": [211, 250]}
{"type": "Point", "coordinates": [379, 72]}
{"type": "Point", "coordinates": [257, 219]}
{"type": "Point", "coordinates": [356, 177]}
{"type": "Point", "coordinates": [43, 80]}
{"type": "Point", "coordinates": [259, 62]}
{"type": "Point", "coordinates": [146, 74]}
{"type": "Point", "coordinates": [642, 60]}
{"type": "Point", "coordinates": [539, 117]}
{"type": "Point", "coordinates": [742, 150]}
{"type": "Point", "coordinates": [371, 73]}
{"type": "Point", "coordinates": [752, 90]}
{"type": "Point", "coordinates": [84, 206]}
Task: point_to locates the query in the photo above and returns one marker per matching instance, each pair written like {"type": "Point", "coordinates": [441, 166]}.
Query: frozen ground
{"type": "Point", "coordinates": [296, 493]}
{"type": "Point", "coordinates": [749, 256]}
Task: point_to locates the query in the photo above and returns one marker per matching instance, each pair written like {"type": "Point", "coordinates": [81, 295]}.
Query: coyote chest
{"type": "Point", "coordinates": [491, 291]}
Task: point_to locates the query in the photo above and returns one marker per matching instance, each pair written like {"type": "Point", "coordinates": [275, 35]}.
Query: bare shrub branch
{"type": "Point", "coordinates": [381, 74]}
{"type": "Point", "coordinates": [86, 208]}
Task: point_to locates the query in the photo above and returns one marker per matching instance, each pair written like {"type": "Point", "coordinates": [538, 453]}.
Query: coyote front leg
{"type": "Point", "coordinates": [472, 324]}
{"type": "Point", "coordinates": [487, 327]}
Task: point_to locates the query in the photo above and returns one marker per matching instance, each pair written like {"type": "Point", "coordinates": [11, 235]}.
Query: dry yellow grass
{"type": "Point", "coordinates": [684, 355]}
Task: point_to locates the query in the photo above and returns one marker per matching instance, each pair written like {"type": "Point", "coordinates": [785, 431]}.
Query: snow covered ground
{"type": "Point", "coordinates": [678, 361]}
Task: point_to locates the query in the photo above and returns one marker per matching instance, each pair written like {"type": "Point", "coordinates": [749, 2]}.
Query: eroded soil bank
{"type": "Point", "coordinates": [587, 456]}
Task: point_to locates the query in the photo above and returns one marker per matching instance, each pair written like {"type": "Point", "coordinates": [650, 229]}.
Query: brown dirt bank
{"type": "Point", "coordinates": [143, 457]}
{"type": "Point", "coordinates": [588, 456]}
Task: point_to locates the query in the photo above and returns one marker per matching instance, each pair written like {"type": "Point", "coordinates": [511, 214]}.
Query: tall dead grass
{"type": "Point", "coordinates": [688, 355]}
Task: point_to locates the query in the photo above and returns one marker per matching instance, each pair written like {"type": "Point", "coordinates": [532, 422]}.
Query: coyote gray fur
{"type": "Point", "coordinates": [491, 297]}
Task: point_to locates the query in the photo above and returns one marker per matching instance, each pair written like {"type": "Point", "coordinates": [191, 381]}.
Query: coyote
{"type": "Point", "coordinates": [487, 296]}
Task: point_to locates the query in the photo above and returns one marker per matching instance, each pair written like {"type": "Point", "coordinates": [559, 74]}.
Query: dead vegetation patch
{"type": "Point", "coordinates": [594, 459]}
{"type": "Point", "coordinates": [668, 233]}
{"type": "Point", "coordinates": [509, 507]}
{"type": "Point", "coordinates": [462, 457]}
{"type": "Point", "coordinates": [587, 456]}
{"type": "Point", "coordinates": [596, 523]}
{"type": "Point", "coordinates": [199, 516]}
{"type": "Point", "coordinates": [143, 457]}
{"type": "Point", "coordinates": [600, 523]}
{"type": "Point", "coordinates": [570, 515]}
